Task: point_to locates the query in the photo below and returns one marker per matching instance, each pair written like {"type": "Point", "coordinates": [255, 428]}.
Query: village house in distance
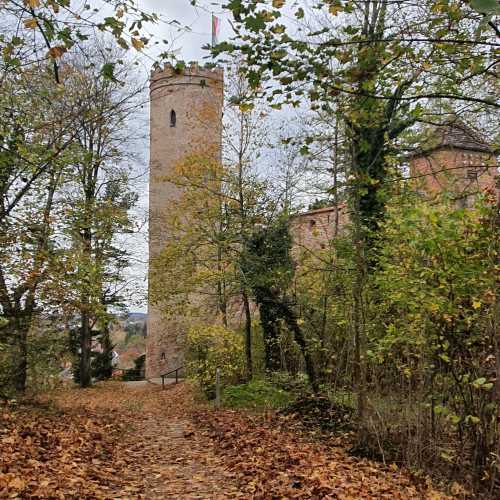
{"type": "Point", "coordinates": [186, 119]}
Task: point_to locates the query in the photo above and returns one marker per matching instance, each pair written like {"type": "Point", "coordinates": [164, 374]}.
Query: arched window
{"type": "Point", "coordinates": [162, 357]}
{"type": "Point", "coordinates": [173, 118]}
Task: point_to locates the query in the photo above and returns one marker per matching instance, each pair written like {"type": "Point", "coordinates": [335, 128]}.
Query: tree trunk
{"type": "Point", "coordinates": [358, 315]}
{"type": "Point", "coordinates": [85, 350]}
{"type": "Point", "coordinates": [270, 333]}
{"type": "Point", "coordinates": [248, 336]}
{"type": "Point", "coordinates": [20, 355]}
{"type": "Point", "coordinates": [291, 321]}
{"type": "Point", "coordinates": [85, 328]}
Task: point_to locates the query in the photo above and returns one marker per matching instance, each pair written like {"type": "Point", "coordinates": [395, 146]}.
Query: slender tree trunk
{"type": "Point", "coordinates": [291, 321]}
{"type": "Point", "coordinates": [242, 228]}
{"type": "Point", "coordinates": [85, 348]}
{"type": "Point", "coordinates": [358, 317]}
{"type": "Point", "coordinates": [335, 180]}
{"type": "Point", "coordinates": [221, 294]}
{"type": "Point", "coordinates": [85, 328]}
{"type": "Point", "coordinates": [248, 335]}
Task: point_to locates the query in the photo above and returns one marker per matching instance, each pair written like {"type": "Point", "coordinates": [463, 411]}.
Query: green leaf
{"type": "Point", "coordinates": [479, 382]}
{"type": "Point", "coordinates": [108, 71]}
{"type": "Point", "coordinates": [472, 419]}
{"type": "Point", "coordinates": [300, 13]}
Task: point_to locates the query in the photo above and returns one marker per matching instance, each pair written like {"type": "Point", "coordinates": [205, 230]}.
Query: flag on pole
{"type": "Point", "coordinates": [215, 30]}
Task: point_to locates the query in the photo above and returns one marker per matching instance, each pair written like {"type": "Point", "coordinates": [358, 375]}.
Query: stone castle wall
{"type": "Point", "coordinates": [465, 173]}
{"type": "Point", "coordinates": [185, 120]}
{"type": "Point", "coordinates": [311, 231]}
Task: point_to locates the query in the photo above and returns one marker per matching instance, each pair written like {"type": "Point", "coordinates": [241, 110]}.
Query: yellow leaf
{"type": "Point", "coordinates": [277, 4]}
{"type": "Point", "coordinates": [30, 23]}
{"type": "Point", "coordinates": [137, 43]}
{"type": "Point", "coordinates": [246, 106]}
{"type": "Point", "coordinates": [57, 52]}
{"type": "Point", "coordinates": [476, 304]}
{"type": "Point", "coordinates": [54, 5]}
{"type": "Point", "coordinates": [32, 3]}
{"type": "Point", "coordinates": [334, 9]}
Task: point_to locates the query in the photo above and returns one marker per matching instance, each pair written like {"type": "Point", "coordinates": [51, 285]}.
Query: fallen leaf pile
{"type": "Point", "coordinates": [115, 441]}
{"type": "Point", "coordinates": [135, 441]}
{"type": "Point", "coordinates": [322, 413]}
{"type": "Point", "coordinates": [44, 454]}
{"type": "Point", "coordinates": [271, 462]}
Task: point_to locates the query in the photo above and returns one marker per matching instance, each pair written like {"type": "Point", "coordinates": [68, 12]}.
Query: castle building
{"type": "Point", "coordinates": [454, 159]}
{"type": "Point", "coordinates": [185, 120]}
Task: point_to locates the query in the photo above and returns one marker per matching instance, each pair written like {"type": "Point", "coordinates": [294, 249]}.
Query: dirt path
{"type": "Point", "coordinates": [137, 441]}
{"type": "Point", "coordinates": [163, 457]}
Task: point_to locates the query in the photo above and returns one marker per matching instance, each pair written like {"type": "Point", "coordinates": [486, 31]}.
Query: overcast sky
{"type": "Point", "coordinates": [195, 27]}
{"type": "Point", "coordinates": [186, 39]}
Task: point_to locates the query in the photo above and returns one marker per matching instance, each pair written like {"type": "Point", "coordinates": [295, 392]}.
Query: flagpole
{"type": "Point", "coordinates": [213, 31]}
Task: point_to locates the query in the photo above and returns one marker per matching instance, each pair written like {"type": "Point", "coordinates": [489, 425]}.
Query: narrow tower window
{"type": "Point", "coordinates": [472, 174]}
{"type": "Point", "coordinates": [173, 118]}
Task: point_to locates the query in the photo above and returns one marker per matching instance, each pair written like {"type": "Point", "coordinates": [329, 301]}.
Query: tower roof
{"type": "Point", "coordinates": [454, 134]}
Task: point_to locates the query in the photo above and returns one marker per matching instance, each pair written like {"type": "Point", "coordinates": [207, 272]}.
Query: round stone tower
{"type": "Point", "coordinates": [185, 120]}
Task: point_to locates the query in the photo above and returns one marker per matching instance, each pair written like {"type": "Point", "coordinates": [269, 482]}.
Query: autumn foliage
{"type": "Point", "coordinates": [126, 441]}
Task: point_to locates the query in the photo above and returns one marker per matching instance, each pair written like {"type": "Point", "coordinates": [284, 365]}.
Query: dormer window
{"type": "Point", "coordinates": [173, 119]}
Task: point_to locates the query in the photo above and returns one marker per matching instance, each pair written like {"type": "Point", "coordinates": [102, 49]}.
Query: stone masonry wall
{"type": "Point", "coordinates": [195, 96]}
{"type": "Point", "coordinates": [463, 172]}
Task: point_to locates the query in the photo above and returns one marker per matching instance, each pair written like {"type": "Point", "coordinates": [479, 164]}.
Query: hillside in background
{"type": "Point", "coordinates": [129, 337]}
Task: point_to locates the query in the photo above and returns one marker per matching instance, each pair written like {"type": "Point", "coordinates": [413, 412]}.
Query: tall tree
{"type": "Point", "coordinates": [31, 173]}
{"type": "Point", "coordinates": [376, 64]}
{"type": "Point", "coordinates": [98, 199]}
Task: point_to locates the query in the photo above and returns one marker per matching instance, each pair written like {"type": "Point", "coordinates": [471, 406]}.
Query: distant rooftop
{"type": "Point", "coordinates": [454, 135]}
{"type": "Point", "coordinates": [323, 210]}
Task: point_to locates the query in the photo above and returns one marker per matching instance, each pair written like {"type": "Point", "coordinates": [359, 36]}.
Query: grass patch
{"type": "Point", "coordinates": [257, 394]}
{"type": "Point", "coordinates": [343, 397]}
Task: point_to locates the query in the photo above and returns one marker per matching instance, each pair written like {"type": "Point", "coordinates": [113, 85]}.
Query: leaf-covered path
{"type": "Point", "coordinates": [129, 442]}
{"type": "Point", "coordinates": [165, 457]}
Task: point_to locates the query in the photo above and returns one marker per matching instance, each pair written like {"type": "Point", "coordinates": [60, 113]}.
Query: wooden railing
{"type": "Point", "coordinates": [165, 375]}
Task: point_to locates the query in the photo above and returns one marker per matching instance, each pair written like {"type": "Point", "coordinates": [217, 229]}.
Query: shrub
{"type": "Point", "coordinates": [210, 347]}
{"type": "Point", "coordinates": [136, 373]}
{"type": "Point", "coordinates": [256, 394]}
